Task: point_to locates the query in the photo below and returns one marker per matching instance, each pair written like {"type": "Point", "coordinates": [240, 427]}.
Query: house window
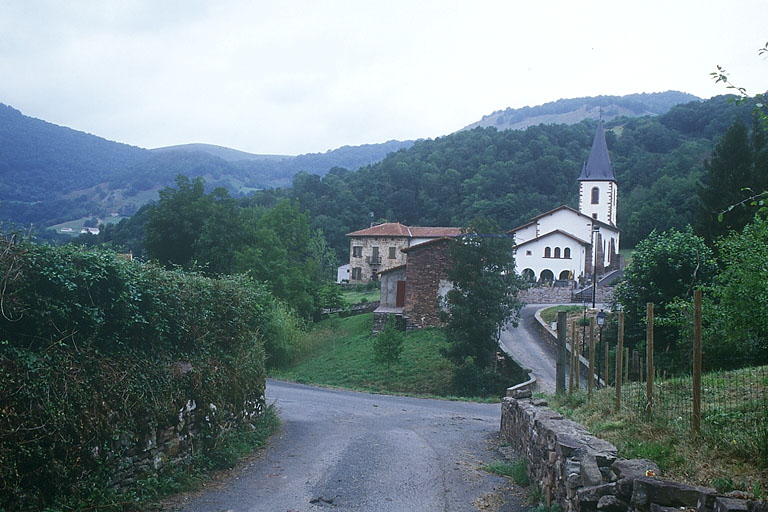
{"type": "Point", "coordinates": [557, 252]}
{"type": "Point", "coordinates": [392, 253]}
{"type": "Point", "coordinates": [357, 251]}
{"type": "Point", "coordinates": [595, 195]}
{"type": "Point", "coordinates": [594, 216]}
{"type": "Point", "coordinates": [547, 252]}
{"type": "Point", "coordinates": [357, 273]}
{"type": "Point", "coordinates": [527, 253]}
{"type": "Point", "coordinates": [567, 252]}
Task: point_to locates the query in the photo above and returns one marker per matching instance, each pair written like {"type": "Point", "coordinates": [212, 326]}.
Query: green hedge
{"type": "Point", "coordinates": [97, 351]}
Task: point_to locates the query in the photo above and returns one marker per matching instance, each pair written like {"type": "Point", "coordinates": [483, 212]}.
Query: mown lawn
{"type": "Point", "coordinates": [340, 354]}
{"type": "Point", "coordinates": [357, 296]}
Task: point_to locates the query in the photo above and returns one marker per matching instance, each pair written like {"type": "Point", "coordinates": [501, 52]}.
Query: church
{"type": "Point", "coordinates": [567, 244]}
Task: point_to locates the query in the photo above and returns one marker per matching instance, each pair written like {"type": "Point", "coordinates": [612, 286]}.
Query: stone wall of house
{"type": "Point", "coordinates": [140, 454]}
{"type": "Point", "coordinates": [582, 473]}
{"type": "Point", "coordinates": [427, 267]}
{"type": "Point", "coordinates": [368, 243]}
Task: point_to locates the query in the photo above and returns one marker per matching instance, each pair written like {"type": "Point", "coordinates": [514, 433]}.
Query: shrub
{"type": "Point", "coordinates": [97, 352]}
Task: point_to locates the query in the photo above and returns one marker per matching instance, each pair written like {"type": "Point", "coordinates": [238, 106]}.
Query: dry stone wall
{"type": "Point", "coordinates": [583, 473]}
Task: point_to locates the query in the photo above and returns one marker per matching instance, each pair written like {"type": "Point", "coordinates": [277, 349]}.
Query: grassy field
{"type": "Point", "coordinates": [730, 453]}
{"type": "Point", "coordinates": [77, 225]}
{"type": "Point", "coordinates": [341, 355]}
{"type": "Point", "coordinates": [357, 296]}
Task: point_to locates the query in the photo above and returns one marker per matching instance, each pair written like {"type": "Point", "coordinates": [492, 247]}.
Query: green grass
{"type": "Point", "coordinates": [357, 296]}
{"type": "Point", "coordinates": [341, 355]}
{"type": "Point", "coordinates": [729, 448]}
{"type": "Point", "coordinates": [549, 315]}
{"type": "Point", "coordinates": [516, 470]}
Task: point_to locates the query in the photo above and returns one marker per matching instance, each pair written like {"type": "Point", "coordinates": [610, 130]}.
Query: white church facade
{"type": "Point", "coordinates": [568, 244]}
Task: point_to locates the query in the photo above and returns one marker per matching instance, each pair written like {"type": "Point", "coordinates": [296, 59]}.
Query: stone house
{"type": "Point", "coordinates": [411, 292]}
{"type": "Point", "coordinates": [381, 247]}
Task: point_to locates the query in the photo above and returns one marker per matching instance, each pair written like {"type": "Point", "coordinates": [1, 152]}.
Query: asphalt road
{"type": "Point", "coordinates": [525, 345]}
{"type": "Point", "coordinates": [342, 450]}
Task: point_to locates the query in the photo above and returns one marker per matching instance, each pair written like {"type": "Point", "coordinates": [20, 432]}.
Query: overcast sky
{"type": "Point", "coordinates": [307, 76]}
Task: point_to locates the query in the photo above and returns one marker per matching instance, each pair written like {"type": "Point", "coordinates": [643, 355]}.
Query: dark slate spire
{"type": "Point", "coordinates": [598, 167]}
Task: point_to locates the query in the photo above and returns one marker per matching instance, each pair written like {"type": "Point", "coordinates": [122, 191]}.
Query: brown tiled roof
{"type": "Point", "coordinates": [386, 229]}
{"type": "Point", "coordinates": [429, 232]}
{"type": "Point", "coordinates": [397, 229]}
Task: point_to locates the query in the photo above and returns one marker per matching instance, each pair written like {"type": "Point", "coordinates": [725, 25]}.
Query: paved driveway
{"type": "Point", "coordinates": [342, 450]}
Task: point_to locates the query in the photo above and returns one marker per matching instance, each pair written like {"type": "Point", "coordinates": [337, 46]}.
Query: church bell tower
{"type": "Point", "coordinates": [598, 188]}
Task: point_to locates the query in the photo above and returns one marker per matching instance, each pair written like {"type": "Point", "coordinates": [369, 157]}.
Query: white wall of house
{"type": "Point", "coordinates": [607, 193]}
{"type": "Point", "coordinates": [532, 256]}
{"type": "Point", "coordinates": [342, 273]}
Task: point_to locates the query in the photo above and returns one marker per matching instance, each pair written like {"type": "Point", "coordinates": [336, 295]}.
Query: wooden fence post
{"type": "Point", "coordinates": [573, 351]}
{"type": "Point", "coordinates": [562, 326]}
{"type": "Point", "coordinates": [626, 365]}
{"type": "Point", "coordinates": [649, 359]}
{"type": "Point", "coordinates": [696, 419]}
{"type": "Point", "coordinates": [591, 356]}
{"type": "Point", "coordinates": [619, 360]}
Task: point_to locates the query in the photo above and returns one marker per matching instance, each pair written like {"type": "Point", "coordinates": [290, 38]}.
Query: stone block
{"type": "Point", "coordinates": [649, 490]}
{"type": "Point", "coordinates": [757, 506]}
{"type": "Point", "coordinates": [590, 472]}
{"type": "Point", "coordinates": [634, 468]}
{"type": "Point", "coordinates": [659, 508]}
{"type": "Point", "coordinates": [592, 495]}
{"type": "Point", "coordinates": [723, 504]}
{"type": "Point", "coordinates": [624, 488]}
{"type": "Point", "coordinates": [610, 503]}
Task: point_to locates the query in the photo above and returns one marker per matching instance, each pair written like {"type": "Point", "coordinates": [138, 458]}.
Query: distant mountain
{"type": "Point", "coordinates": [572, 111]}
{"type": "Point", "coordinates": [50, 174]}
{"type": "Point", "coordinates": [228, 154]}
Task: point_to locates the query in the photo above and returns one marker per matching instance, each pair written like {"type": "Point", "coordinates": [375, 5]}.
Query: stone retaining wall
{"type": "Point", "coordinates": [139, 454]}
{"type": "Point", "coordinates": [582, 473]}
{"type": "Point", "coordinates": [560, 295]}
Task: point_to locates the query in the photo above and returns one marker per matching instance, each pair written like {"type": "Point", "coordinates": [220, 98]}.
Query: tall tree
{"type": "Point", "coordinates": [175, 222]}
{"type": "Point", "coordinates": [730, 177]}
{"type": "Point", "coordinates": [484, 294]}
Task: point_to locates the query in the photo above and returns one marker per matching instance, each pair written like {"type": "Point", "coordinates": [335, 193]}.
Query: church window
{"type": "Point", "coordinates": [557, 252]}
{"type": "Point", "coordinates": [595, 195]}
{"type": "Point", "coordinates": [567, 252]}
{"type": "Point", "coordinates": [547, 252]}
{"type": "Point", "coordinates": [527, 253]}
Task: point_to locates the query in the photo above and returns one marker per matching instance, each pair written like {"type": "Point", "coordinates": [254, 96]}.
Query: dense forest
{"type": "Point", "coordinates": [510, 176]}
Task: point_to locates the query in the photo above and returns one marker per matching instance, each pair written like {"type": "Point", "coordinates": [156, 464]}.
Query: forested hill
{"type": "Point", "coordinates": [51, 174]}
{"type": "Point", "coordinates": [575, 110]}
{"type": "Point", "coordinates": [513, 175]}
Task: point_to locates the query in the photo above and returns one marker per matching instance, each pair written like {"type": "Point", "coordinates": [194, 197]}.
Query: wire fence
{"type": "Point", "coordinates": [732, 404]}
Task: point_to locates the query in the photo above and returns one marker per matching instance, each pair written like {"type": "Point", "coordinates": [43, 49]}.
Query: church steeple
{"type": "Point", "coordinates": [598, 188]}
{"type": "Point", "coordinates": [598, 167]}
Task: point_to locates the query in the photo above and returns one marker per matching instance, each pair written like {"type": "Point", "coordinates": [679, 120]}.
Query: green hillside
{"type": "Point", "coordinates": [512, 175]}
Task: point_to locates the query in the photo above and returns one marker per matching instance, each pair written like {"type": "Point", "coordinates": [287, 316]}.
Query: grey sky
{"type": "Point", "coordinates": [307, 76]}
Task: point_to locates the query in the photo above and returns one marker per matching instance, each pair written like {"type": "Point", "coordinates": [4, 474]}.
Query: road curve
{"type": "Point", "coordinates": [342, 450]}
{"type": "Point", "coordinates": [525, 345]}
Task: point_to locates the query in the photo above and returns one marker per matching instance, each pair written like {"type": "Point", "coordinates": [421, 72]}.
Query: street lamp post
{"type": "Point", "coordinates": [600, 322]}
{"type": "Point", "coordinates": [595, 231]}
